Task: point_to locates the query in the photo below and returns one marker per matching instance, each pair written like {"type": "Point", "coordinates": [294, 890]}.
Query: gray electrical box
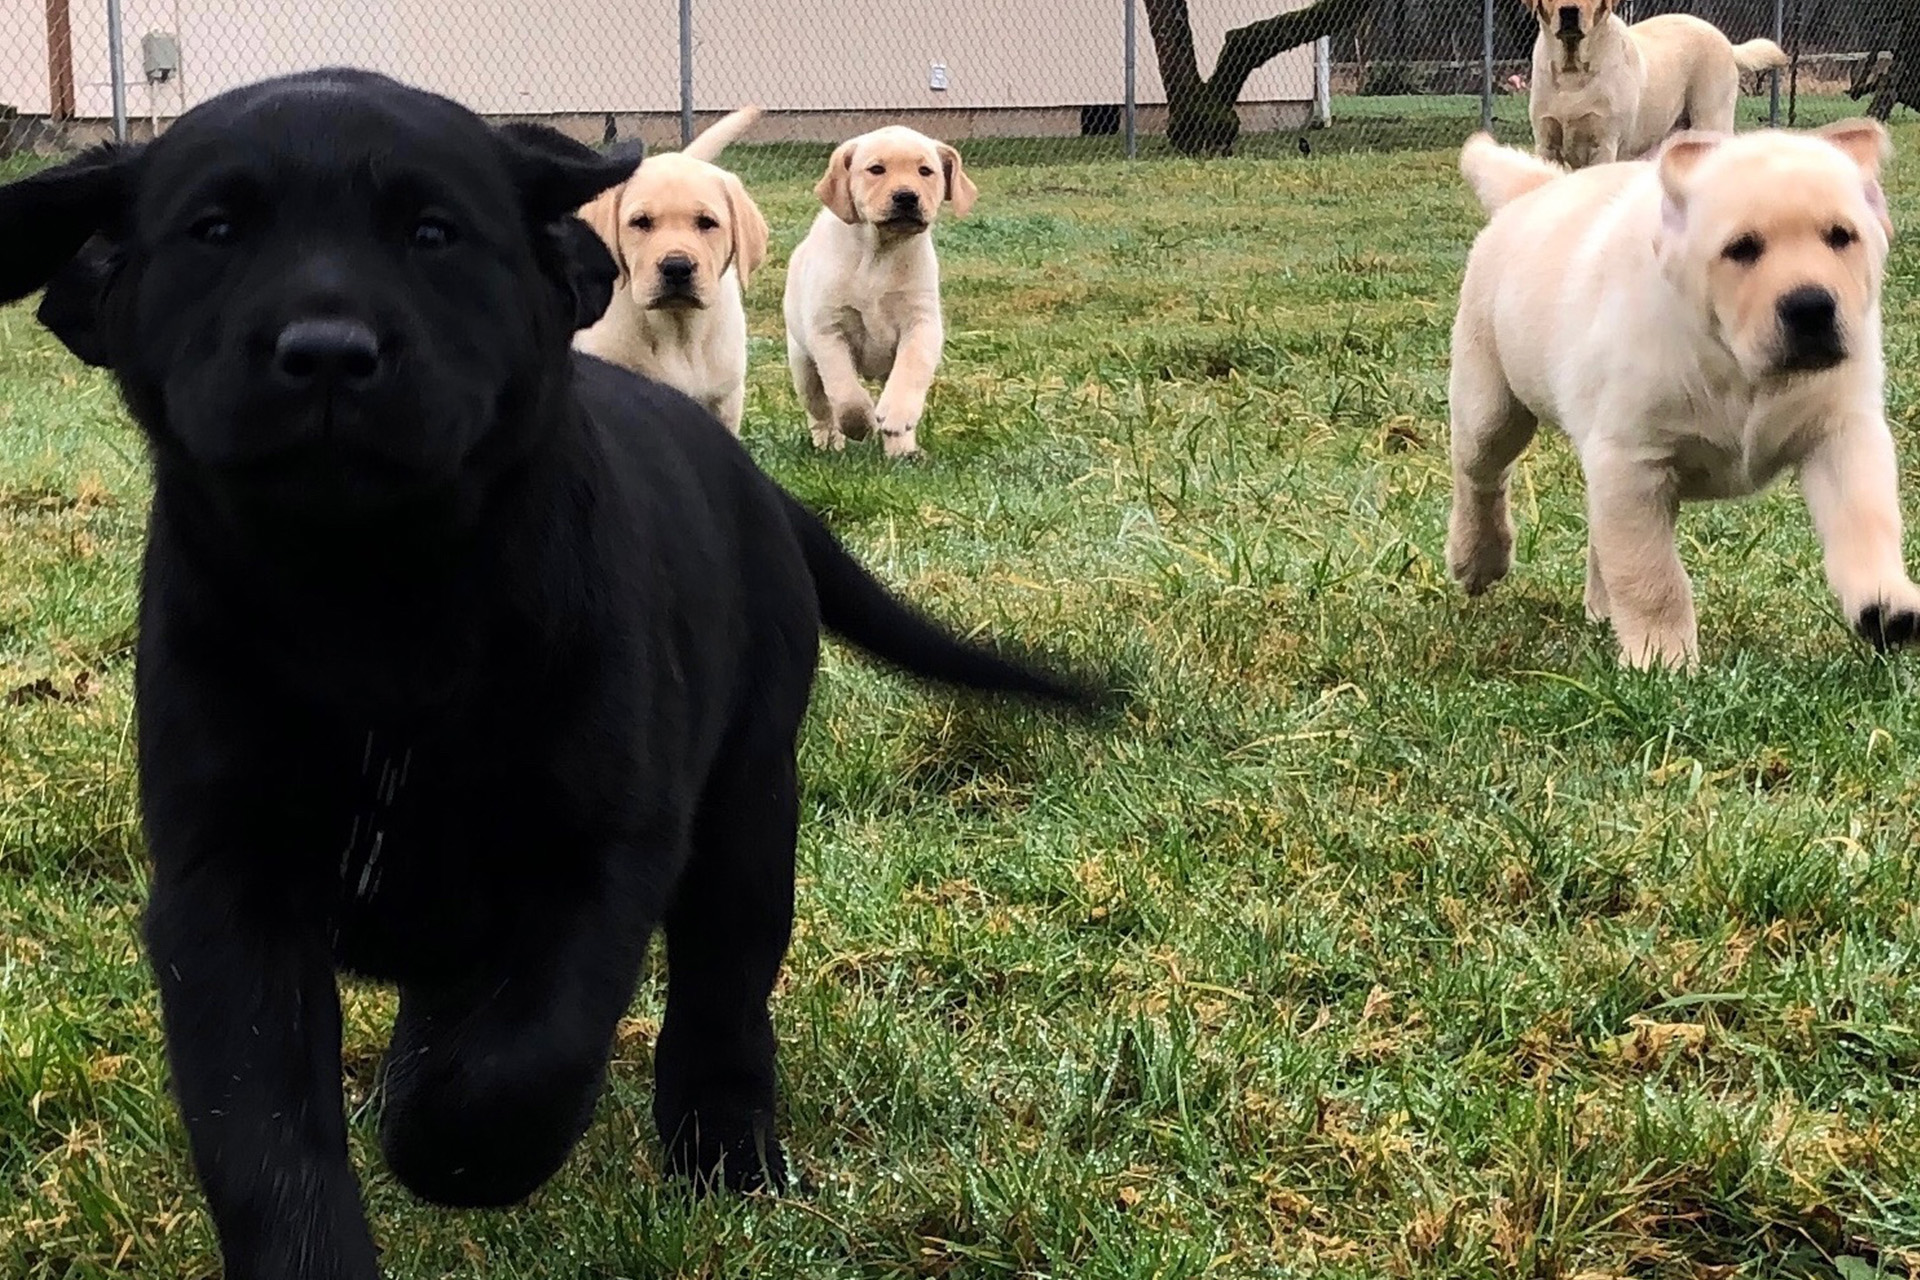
{"type": "Point", "coordinates": [160, 50]}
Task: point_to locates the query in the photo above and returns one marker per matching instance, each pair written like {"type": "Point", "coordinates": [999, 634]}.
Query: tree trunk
{"type": "Point", "coordinates": [1201, 119]}
{"type": "Point", "coordinates": [1197, 122]}
{"type": "Point", "coordinates": [1902, 80]}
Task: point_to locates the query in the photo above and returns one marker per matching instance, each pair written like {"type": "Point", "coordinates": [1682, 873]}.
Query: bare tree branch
{"type": "Point", "coordinates": [1251, 47]}
{"type": "Point", "coordinates": [1901, 82]}
{"type": "Point", "coordinates": [1201, 119]}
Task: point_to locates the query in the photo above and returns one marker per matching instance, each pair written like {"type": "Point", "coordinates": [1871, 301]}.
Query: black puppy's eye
{"type": "Point", "coordinates": [431, 232]}
{"type": "Point", "coordinates": [213, 229]}
{"type": "Point", "coordinates": [641, 222]}
{"type": "Point", "coordinates": [925, 172]}
{"type": "Point", "coordinates": [707, 222]}
{"type": "Point", "coordinates": [1746, 250]}
{"type": "Point", "coordinates": [1840, 238]}
{"type": "Point", "coordinates": [876, 169]}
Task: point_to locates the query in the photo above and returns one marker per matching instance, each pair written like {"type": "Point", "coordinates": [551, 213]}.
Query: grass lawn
{"type": "Point", "coordinates": [1395, 935]}
{"type": "Point", "coordinates": [1365, 124]}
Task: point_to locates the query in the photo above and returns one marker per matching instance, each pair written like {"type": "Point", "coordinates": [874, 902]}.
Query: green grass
{"type": "Point", "coordinates": [1395, 935]}
{"type": "Point", "coordinates": [1360, 124]}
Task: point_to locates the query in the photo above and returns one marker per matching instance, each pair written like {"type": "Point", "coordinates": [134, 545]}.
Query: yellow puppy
{"type": "Point", "coordinates": [686, 237]}
{"type": "Point", "coordinates": [1696, 325]}
{"type": "Point", "coordinates": [1605, 91]}
{"type": "Point", "coordinates": [863, 289]}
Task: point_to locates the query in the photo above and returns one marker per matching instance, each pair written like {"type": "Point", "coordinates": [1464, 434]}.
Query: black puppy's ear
{"type": "Point", "coordinates": [555, 174]}
{"type": "Point", "coordinates": [585, 265]}
{"type": "Point", "coordinates": [45, 218]}
{"type": "Point", "coordinates": [71, 306]}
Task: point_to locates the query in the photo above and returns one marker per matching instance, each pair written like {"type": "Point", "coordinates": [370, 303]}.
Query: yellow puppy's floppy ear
{"type": "Point", "coordinates": [835, 187]}
{"type": "Point", "coordinates": [1678, 159]}
{"type": "Point", "coordinates": [749, 230]}
{"type": "Point", "coordinates": [1683, 153]}
{"type": "Point", "coordinates": [602, 213]}
{"type": "Point", "coordinates": [961, 192]}
{"type": "Point", "coordinates": [1867, 143]}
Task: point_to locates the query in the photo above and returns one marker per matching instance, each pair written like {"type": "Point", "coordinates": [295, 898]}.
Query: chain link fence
{"type": "Point", "coordinates": [1017, 82]}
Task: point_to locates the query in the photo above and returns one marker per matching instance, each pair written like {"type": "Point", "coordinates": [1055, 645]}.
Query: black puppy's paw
{"type": "Point", "coordinates": [741, 1156]}
{"type": "Point", "coordinates": [1886, 628]}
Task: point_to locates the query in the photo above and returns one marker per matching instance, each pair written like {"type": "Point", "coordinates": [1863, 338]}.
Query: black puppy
{"type": "Point", "coordinates": [464, 661]}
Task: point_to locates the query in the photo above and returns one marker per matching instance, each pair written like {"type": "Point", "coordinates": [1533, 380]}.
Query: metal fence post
{"type": "Point", "coordinates": [1323, 81]}
{"type": "Point", "coordinates": [1486, 65]}
{"type": "Point", "coordinates": [1129, 110]}
{"type": "Point", "coordinates": [686, 72]}
{"type": "Point", "coordinates": [117, 66]}
{"type": "Point", "coordinates": [1779, 38]}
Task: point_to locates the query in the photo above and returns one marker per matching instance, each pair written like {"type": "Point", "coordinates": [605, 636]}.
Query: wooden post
{"type": "Point", "coordinates": [60, 104]}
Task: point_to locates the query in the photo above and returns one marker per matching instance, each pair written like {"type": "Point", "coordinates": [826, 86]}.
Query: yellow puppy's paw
{"type": "Point", "coordinates": [901, 445]}
{"type": "Point", "coordinates": [1660, 653]}
{"type": "Point", "coordinates": [1479, 555]}
{"type": "Point", "coordinates": [854, 421]}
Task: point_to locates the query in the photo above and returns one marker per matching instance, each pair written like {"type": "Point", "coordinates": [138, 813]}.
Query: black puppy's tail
{"type": "Point", "coordinates": [857, 608]}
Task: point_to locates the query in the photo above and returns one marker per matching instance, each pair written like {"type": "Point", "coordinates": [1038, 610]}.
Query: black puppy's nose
{"type": "Point", "coordinates": [907, 200]}
{"type": "Point", "coordinates": [1569, 19]}
{"type": "Point", "coordinates": [330, 350]}
{"type": "Point", "coordinates": [1808, 311]}
{"type": "Point", "coordinates": [676, 268]}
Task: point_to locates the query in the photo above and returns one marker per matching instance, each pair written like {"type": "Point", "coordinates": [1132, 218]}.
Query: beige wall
{"type": "Point", "coordinates": [23, 55]}
{"type": "Point", "coordinates": [551, 56]}
{"type": "Point", "coordinates": [998, 53]}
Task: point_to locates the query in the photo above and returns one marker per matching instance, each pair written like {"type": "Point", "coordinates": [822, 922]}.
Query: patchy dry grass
{"type": "Point", "coordinates": [1396, 935]}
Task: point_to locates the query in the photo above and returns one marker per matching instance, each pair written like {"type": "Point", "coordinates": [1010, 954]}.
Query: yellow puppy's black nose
{"type": "Point", "coordinates": [1808, 310]}
{"type": "Point", "coordinates": [1810, 326]}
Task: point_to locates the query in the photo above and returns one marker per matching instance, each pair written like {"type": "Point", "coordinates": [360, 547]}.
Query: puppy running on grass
{"type": "Point", "coordinates": [863, 289]}
{"type": "Point", "coordinates": [1696, 324]}
{"type": "Point", "coordinates": [685, 236]}
{"type": "Point", "coordinates": [466, 660]}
